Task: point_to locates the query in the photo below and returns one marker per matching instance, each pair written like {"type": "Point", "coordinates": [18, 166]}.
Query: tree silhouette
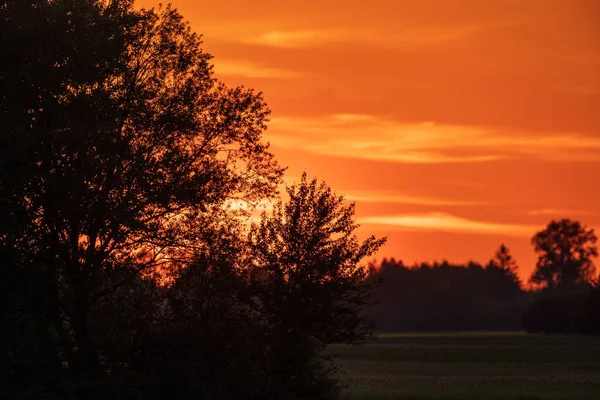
{"type": "Point", "coordinates": [566, 250]}
{"type": "Point", "coordinates": [443, 296]}
{"type": "Point", "coordinates": [505, 282]}
{"type": "Point", "coordinates": [504, 261]}
{"type": "Point", "coordinates": [123, 272]}
{"type": "Point", "coordinates": [117, 144]}
{"type": "Point", "coordinates": [313, 286]}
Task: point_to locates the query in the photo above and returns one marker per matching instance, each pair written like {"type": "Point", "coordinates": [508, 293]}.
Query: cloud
{"type": "Point", "coordinates": [386, 197]}
{"type": "Point", "coordinates": [435, 221]}
{"type": "Point", "coordinates": [274, 33]}
{"type": "Point", "coordinates": [252, 70]}
{"type": "Point", "coordinates": [369, 137]}
{"type": "Point", "coordinates": [412, 37]}
{"type": "Point", "coordinates": [293, 39]}
{"type": "Point", "coordinates": [393, 197]}
{"type": "Point", "coordinates": [556, 212]}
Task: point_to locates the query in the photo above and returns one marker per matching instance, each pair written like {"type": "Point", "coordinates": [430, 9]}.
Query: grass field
{"type": "Point", "coordinates": [472, 366]}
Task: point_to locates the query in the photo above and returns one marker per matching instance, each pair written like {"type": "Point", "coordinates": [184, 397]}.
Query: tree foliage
{"type": "Point", "coordinates": [115, 138]}
{"type": "Point", "coordinates": [312, 286]}
{"type": "Point", "coordinates": [566, 250]}
{"type": "Point", "coordinates": [123, 271]}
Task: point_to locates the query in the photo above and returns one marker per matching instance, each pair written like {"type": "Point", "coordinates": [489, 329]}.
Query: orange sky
{"type": "Point", "coordinates": [455, 125]}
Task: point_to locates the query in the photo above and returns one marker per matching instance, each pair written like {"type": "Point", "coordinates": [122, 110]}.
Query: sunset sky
{"type": "Point", "coordinates": [455, 125]}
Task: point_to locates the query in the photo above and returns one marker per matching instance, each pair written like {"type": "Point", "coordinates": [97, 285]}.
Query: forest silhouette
{"type": "Point", "coordinates": [126, 273]}
{"type": "Point", "coordinates": [562, 295]}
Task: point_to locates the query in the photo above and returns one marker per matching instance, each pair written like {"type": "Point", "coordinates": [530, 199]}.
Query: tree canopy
{"type": "Point", "coordinates": [566, 250]}
{"type": "Point", "coordinates": [116, 141]}
{"type": "Point", "coordinates": [312, 287]}
{"type": "Point", "coordinates": [119, 256]}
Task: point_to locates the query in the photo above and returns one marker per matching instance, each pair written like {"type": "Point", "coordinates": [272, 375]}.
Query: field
{"type": "Point", "coordinates": [472, 366]}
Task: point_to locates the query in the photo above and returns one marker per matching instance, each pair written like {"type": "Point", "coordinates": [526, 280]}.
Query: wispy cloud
{"type": "Point", "coordinates": [370, 137]}
{"type": "Point", "coordinates": [275, 34]}
{"type": "Point", "coordinates": [435, 221]}
{"type": "Point", "coordinates": [411, 37]}
{"type": "Point", "coordinates": [386, 197]}
{"type": "Point", "coordinates": [293, 39]}
{"type": "Point", "coordinates": [395, 197]}
{"type": "Point", "coordinates": [252, 70]}
{"type": "Point", "coordinates": [558, 212]}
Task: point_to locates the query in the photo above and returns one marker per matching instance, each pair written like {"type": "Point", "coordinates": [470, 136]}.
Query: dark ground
{"type": "Point", "coordinates": [472, 366]}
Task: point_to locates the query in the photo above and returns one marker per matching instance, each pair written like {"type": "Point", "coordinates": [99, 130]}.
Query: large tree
{"type": "Point", "coordinates": [116, 143]}
{"type": "Point", "coordinates": [566, 250]}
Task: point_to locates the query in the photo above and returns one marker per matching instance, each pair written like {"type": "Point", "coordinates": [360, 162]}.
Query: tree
{"type": "Point", "coordinates": [503, 260]}
{"type": "Point", "coordinates": [312, 284]}
{"type": "Point", "coordinates": [566, 250]}
{"type": "Point", "coordinates": [208, 340]}
{"type": "Point", "coordinates": [116, 145]}
{"type": "Point", "coordinates": [505, 282]}
{"type": "Point", "coordinates": [123, 272]}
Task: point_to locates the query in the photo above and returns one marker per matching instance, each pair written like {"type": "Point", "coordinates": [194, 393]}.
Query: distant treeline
{"type": "Point", "coordinates": [563, 295]}
{"type": "Point", "coordinates": [446, 297]}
